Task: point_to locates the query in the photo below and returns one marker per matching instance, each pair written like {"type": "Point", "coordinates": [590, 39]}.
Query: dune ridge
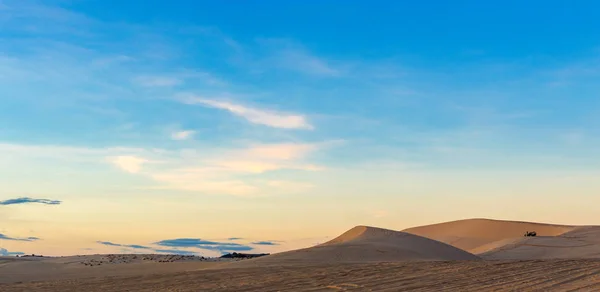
{"type": "Point", "coordinates": [473, 235]}
{"type": "Point", "coordinates": [363, 244]}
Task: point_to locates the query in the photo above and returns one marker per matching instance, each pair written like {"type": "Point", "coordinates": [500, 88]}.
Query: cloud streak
{"type": "Point", "coordinates": [256, 116]}
{"type": "Point", "coordinates": [229, 171]}
{"type": "Point", "coordinates": [131, 164]}
{"type": "Point", "coordinates": [305, 63]}
{"type": "Point", "coordinates": [27, 200]}
{"type": "Point", "coordinates": [182, 243]}
{"type": "Point", "coordinates": [175, 251]}
{"type": "Point", "coordinates": [29, 239]}
{"type": "Point", "coordinates": [182, 135]}
{"type": "Point", "coordinates": [288, 55]}
{"type": "Point", "coordinates": [204, 244]}
{"type": "Point", "coordinates": [265, 243]}
{"type": "Point", "coordinates": [135, 246]}
{"type": "Point", "coordinates": [219, 173]}
{"type": "Point", "coordinates": [157, 81]}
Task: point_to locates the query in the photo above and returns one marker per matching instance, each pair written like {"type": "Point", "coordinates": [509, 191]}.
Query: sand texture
{"type": "Point", "coordinates": [472, 234]}
{"type": "Point", "coordinates": [549, 275]}
{"type": "Point", "coordinates": [582, 242]}
{"type": "Point", "coordinates": [363, 244]}
{"type": "Point", "coordinates": [464, 255]}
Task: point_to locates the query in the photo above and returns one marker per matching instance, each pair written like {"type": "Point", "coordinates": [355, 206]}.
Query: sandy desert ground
{"type": "Point", "coordinates": [465, 255]}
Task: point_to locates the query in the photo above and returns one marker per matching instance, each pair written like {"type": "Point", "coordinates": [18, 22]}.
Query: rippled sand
{"type": "Point", "coordinates": [465, 255]}
{"type": "Point", "coordinates": [542, 275]}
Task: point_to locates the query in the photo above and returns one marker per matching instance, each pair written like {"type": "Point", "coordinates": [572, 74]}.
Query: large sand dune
{"type": "Point", "coordinates": [363, 244]}
{"type": "Point", "coordinates": [481, 235]}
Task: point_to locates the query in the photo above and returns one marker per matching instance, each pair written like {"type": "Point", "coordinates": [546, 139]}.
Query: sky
{"type": "Point", "coordinates": [207, 127]}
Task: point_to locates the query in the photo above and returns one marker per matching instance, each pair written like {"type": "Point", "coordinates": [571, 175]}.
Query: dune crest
{"type": "Point", "coordinates": [352, 234]}
{"type": "Point", "coordinates": [481, 235]}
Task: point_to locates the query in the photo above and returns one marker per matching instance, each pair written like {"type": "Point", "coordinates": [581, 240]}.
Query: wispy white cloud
{"type": "Point", "coordinates": [201, 180]}
{"type": "Point", "coordinates": [235, 171]}
{"type": "Point", "coordinates": [157, 81]}
{"type": "Point", "coordinates": [268, 157]}
{"type": "Point", "coordinates": [203, 76]}
{"type": "Point", "coordinates": [179, 77]}
{"type": "Point", "coordinates": [257, 116]}
{"type": "Point", "coordinates": [222, 173]}
{"type": "Point", "coordinates": [247, 166]}
{"type": "Point", "coordinates": [182, 135]}
{"type": "Point", "coordinates": [305, 63]}
{"type": "Point", "coordinates": [285, 151]}
{"type": "Point", "coordinates": [288, 55]}
{"type": "Point", "coordinates": [131, 164]}
{"type": "Point", "coordinates": [256, 166]}
{"type": "Point", "coordinates": [35, 17]}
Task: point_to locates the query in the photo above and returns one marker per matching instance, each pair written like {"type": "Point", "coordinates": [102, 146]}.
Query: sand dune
{"type": "Point", "coordinates": [364, 258]}
{"type": "Point", "coordinates": [481, 235]}
{"type": "Point", "coordinates": [582, 242]}
{"type": "Point", "coordinates": [363, 244]}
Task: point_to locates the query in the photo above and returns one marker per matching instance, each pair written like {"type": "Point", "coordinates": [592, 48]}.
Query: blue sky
{"type": "Point", "coordinates": [254, 113]}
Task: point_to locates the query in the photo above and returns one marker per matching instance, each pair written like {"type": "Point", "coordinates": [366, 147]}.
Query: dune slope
{"type": "Point", "coordinates": [580, 243]}
{"type": "Point", "coordinates": [481, 235]}
{"type": "Point", "coordinates": [369, 244]}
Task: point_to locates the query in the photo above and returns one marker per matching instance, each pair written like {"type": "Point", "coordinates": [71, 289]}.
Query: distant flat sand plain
{"type": "Point", "coordinates": [464, 255]}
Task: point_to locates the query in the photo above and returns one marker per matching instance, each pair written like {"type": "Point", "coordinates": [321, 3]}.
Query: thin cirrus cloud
{"type": "Point", "coordinates": [204, 244]}
{"type": "Point", "coordinates": [189, 180]}
{"type": "Point", "coordinates": [182, 135]}
{"type": "Point", "coordinates": [175, 251]}
{"type": "Point", "coordinates": [252, 166]}
{"type": "Point", "coordinates": [289, 55]}
{"type": "Point", "coordinates": [305, 63]}
{"type": "Point", "coordinates": [135, 246]}
{"type": "Point", "coordinates": [268, 157]}
{"type": "Point", "coordinates": [131, 164]}
{"type": "Point", "coordinates": [265, 243]}
{"type": "Point", "coordinates": [216, 173]}
{"type": "Point", "coordinates": [257, 116]}
{"type": "Point", "coordinates": [219, 174]}
{"type": "Point", "coordinates": [185, 243]}
{"type": "Point", "coordinates": [284, 151]}
{"type": "Point", "coordinates": [26, 200]}
{"type": "Point", "coordinates": [6, 237]}
{"type": "Point", "coordinates": [157, 81]}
